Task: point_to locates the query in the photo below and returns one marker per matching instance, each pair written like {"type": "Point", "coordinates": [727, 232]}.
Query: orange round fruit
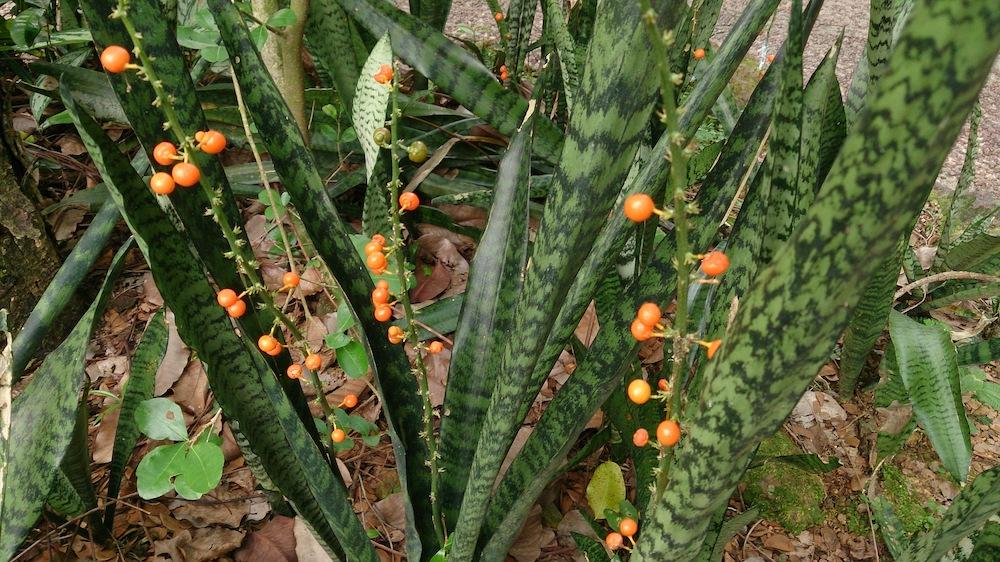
{"type": "Point", "coordinates": [628, 526]}
{"type": "Point", "coordinates": [384, 74]}
{"type": "Point", "coordinates": [164, 153]}
{"type": "Point", "coordinates": [313, 362]}
{"type": "Point", "coordinates": [291, 279]}
{"type": "Point", "coordinates": [186, 174]}
{"type": "Point", "coordinates": [267, 343]}
{"type": "Point", "coordinates": [640, 331]}
{"type": "Point", "coordinates": [435, 347]}
{"type": "Point", "coordinates": [338, 435]}
{"type": "Point", "coordinates": [498, 16]}
{"type": "Point", "coordinates": [641, 437]}
{"type": "Point", "coordinates": [395, 334]}
{"type": "Point", "coordinates": [372, 247]}
{"type": "Point", "coordinates": [639, 391]}
{"type": "Point", "coordinates": [668, 433]}
{"type": "Point", "coordinates": [409, 201]}
{"type": "Point", "coordinates": [377, 261]}
{"type": "Point", "coordinates": [382, 284]}
{"type": "Point", "coordinates": [649, 314]}
{"type": "Point", "coordinates": [350, 401]}
{"type": "Point", "coordinates": [212, 142]}
{"type": "Point", "coordinates": [161, 183]}
{"type": "Point", "coordinates": [639, 207]}
{"type": "Point", "coordinates": [383, 313]}
{"type": "Point", "coordinates": [115, 59]}
{"type": "Point", "coordinates": [699, 54]}
{"type": "Point", "coordinates": [715, 263]}
{"type": "Point", "coordinates": [226, 298]}
{"type": "Point", "coordinates": [237, 309]}
{"type": "Point", "coordinates": [380, 296]}
{"type": "Point", "coordinates": [614, 541]}
{"type": "Point", "coordinates": [294, 371]}
{"type": "Point", "coordinates": [276, 351]}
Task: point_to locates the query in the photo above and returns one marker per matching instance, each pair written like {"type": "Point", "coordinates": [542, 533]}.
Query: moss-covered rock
{"type": "Point", "coordinates": [785, 494]}
{"type": "Point", "coordinates": [912, 512]}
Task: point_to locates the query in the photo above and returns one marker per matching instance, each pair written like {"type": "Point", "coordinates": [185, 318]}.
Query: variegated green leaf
{"type": "Point", "coordinates": [928, 368]}
{"type": "Point", "coordinates": [520, 17]}
{"type": "Point", "coordinates": [42, 422]}
{"type": "Point", "coordinates": [556, 27]}
{"type": "Point", "coordinates": [969, 510]}
{"type": "Point", "coordinates": [872, 63]}
{"type": "Point", "coordinates": [370, 102]}
{"type": "Point", "coordinates": [979, 353]}
{"type": "Point", "coordinates": [335, 44]}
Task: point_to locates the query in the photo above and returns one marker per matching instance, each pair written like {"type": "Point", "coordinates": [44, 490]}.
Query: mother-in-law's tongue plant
{"type": "Point", "coordinates": [618, 226]}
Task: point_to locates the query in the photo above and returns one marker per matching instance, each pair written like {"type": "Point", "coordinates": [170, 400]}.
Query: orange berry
{"type": "Point", "coordinates": [161, 183]}
{"type": "Point", "coordinates": [267, 342]}
{"type": "Point", "coordinates": [383, 313]}
{"type": "Point", "coordinates": [372, 247]}
{"type": "Point", "coordinates": [237, 309]}
{"type": "Point", "coordinates": [377, 261]}
{"type": "Point", "coordinates": [640, 331]}
{"type": "Point", "coordinates": [294, 371]}
{"type": "Point", "coordinates": [770, 58]}
{"type": "Point", "coordinates": [639, 207]}
{"type": "Point", "coordinates": [628, 526]}
{"type": "Point", "coordinates": [649, 314]}
{"type": "Point", "coordinates": [380, 296]}
{"type": "Point", "coordinates": [199, 135]}
{"type": "Point", "coordinates": [313, 362]}
{"type": "Point", "coordinates": [338, 435]}
{"type": "Point", "coordinates": [699, 54]}
{"type": "Point", "coordinates": [384, 74]}
{"type": "Point", "coordinates": [662, 385]}
{"type": "Point", "coordinates": [715, 263]}
{"type": "Point", "coordinates": [409, 201]}
{"type": "Point", "coordinates": [668, 433]}
{"type": "Point", "coordinates": [276, 351]}
{"type": "Point", "coordinates": [712, 347]}
{"type": "Point", "coordinates": [641, 437]}
{"type": "Point", "coordinates": [186, 174]}
{"type": "Point", "coordinates": [212, 142]}
{"type": "Point", "coordinates": [435, 347]}
{"type": "Point", "coordinates": [498, 16]}
{"type": "Point", "coordinates": [379, 239]}
{"type": "Point", "coordinates": [115, 58]}
{"type": "Point", "coordinates": [291, 279]}
{"type": "Point", "coordinates": [613, 541]}
{"type": "Point", "coordinates": [639, 391]}
{"type": "Point", "coordinates": [164, 153]}
{"type": "Point", "coordinates": [226, 298]}
{"type": "Point", "coordinates": [504, 73]}
{"type": "Point", "coordinates": [350, 401]}
{"type": "Point", "coordinates": [395, 333]}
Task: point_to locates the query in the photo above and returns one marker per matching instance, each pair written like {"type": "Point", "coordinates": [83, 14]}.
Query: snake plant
{"type": "Point", "coordinates": [819, 192]}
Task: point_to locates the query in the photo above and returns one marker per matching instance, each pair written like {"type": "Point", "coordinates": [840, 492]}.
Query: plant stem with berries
{"type": "Point", "coordinates": [676, 191]}
{"type": "Point", "coordinates": [246, 266]}
{"type": "Point", "coordinates": [403, 275]}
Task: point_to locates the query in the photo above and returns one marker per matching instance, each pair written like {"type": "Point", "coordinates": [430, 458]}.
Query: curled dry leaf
{"type": "Point", "coordinates": [226, 507]}
{"type": "Point", "coordinates": [174, 360]}
{"type": "Point", "coordinates": [534, 536]}
{"type": "Point", "coordinates": [199, 545]}
{"type": "Point", "coordinates": [307, 548]}
{"type": "Point", "coordinates": [274, 542]}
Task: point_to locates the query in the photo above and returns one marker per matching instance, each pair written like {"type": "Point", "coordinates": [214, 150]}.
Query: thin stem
{"type": "Point", "coordinates": [173, 124]}
{"type": "Point", "coordinates": [403, 275]}
{"type": "Point", "coordinates": [676, 191]}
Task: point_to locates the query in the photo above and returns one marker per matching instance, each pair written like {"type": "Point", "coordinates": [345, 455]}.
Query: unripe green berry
{"type": "Point", "coordinates": [417, 152]}
{"type": "Point", "coordinates": [382, 136]}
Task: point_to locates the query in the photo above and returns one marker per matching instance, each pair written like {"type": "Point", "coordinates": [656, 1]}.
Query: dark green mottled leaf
{"type": "Point", "coordinates": [969, 510]}
{"type": "Point", "coordinates": [520, 18]}
{"type": "Point", "coordinates": [889, 526]}
{"type": "Point", "coordinates": [928, 367]}
{"type": "Point", "coordinates": [979, 353]}
{"type": "Point", "coordinates": [872, 63]}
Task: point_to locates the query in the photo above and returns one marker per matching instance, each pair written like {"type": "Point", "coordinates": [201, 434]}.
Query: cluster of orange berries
{"type": "Point", "coordinates": [384, 74]}
{"type": "Point", "coordinates": [116, 59]}
{"type": "Point", "coordinates": [504, 74]}
{"type": "Point", "coordinates": [183, 173]}
{"type": "Point", "coordinates": [374, 257]}
{"type": "Point", "coordinates": [668, 432]}
{"type": "Point", "coordinates": [627, 527]}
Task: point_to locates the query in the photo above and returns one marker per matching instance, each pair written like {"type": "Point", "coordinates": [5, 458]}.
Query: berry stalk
{"type": "Point", "coordinates": [403, 276]}
{"type": "Point", "coordinates": [677, 188]}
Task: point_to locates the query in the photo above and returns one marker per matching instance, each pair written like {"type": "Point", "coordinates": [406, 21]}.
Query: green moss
{"type": "Point", "coordinates": [913, 514]}
{"type": "Point", "coordinates": [784, 494]}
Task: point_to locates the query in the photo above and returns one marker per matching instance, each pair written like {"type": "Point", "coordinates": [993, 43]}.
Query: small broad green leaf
{"type": "Point", "coordinates": [200, 471]}
{"type": "Point", "coordinates": [214, 54]}
{"type": "Point", "coordinates": [337, 340]}
{"type": "Point", "coordinates": [259, 36]}
{"type": "Point", "coordinates": [593, 549]}
{"type": "Point", "coordinates": [353, 359]}
{"type": "Point", "coordinates": [371, 100]}
{"type": "Point", "coordinates": [155, 473]}
{"type": "Point", "coordinates": [161, 418]}
{"type": "Point", "coordinates": [626, 509]}
{"type": "Point", "coordinates": [606, 489]}
{"type": "Point", "coordinates": [282, 18]}
{"type": "Point", "coordinates": [26, 26]}
{"type": "Point", "coordinates": [928, 366]}
{"type": "Point", "coordinates": [373, 534]}
{"type": "Point", "coordinates": [345, 319]}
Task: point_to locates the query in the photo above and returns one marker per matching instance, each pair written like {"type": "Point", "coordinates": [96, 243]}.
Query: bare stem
{"type": "Point", "coordinates": [403, 276]}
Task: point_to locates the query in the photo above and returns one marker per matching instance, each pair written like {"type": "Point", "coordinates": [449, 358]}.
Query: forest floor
{"type": "Point", "coordinates": [805, 516]}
